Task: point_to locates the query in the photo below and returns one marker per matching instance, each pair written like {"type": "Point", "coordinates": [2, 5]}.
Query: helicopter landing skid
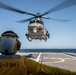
{"type": "Point", "coordinates": [27, 35]}
{"type": "Point", "coordinates": [44, 37]}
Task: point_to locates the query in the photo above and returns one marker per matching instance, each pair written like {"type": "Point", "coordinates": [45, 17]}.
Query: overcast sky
{"type": "Point", "coordinates": [62, 34]}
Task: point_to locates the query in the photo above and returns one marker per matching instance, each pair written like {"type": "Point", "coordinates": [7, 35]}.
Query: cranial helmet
{"type": "Point", "coordinates": [9, 43]}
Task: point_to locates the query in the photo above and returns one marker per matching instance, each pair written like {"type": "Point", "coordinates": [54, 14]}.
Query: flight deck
{"type": "Point", "coordinates": [60, 60]}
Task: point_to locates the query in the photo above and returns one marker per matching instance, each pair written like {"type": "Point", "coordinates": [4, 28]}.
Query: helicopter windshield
{"type": "Point", "coordinates": [32, 21]}
{"type": "Point", "coordinates": [39, 21]}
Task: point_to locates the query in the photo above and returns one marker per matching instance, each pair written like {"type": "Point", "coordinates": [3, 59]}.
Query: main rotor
{"type": "Point", "coordinates": [63, 5]}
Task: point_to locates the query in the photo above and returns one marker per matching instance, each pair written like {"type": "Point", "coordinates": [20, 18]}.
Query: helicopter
{"type": "Point", "coordinates": [36, 27]}
{"type": "Point", "coordinates": [37, 30]}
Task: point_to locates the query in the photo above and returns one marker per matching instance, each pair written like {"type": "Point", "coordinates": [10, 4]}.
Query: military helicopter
{"type": "Point", "coordinates": [37, 30]}
{"type": "Point", "coordinates": [36, 27]}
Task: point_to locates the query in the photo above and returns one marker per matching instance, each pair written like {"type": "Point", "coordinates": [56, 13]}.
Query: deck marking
{"type": "Point", "coordinates": [58, 60]}
{"type": "Point", "coordinates": [38, 57]}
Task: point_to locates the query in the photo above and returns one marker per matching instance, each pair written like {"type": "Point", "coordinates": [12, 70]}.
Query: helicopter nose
{"type": "Point", "coordinates": [35, 30]}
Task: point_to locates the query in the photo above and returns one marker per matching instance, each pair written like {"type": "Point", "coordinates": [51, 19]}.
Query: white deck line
{"type": "Point", "coordinates": [38, 57]}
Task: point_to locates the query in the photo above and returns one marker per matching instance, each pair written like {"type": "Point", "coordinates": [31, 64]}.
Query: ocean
{"type": "Point", "coordinates": [66, 51]}
{"type": "Point", "coordinates": [48, 50]}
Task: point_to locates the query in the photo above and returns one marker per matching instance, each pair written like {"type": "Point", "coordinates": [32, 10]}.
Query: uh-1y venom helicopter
{"type": "Point", "coordinates": [36, 27]}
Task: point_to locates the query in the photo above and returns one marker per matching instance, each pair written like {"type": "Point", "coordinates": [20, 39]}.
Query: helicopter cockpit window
{"type": "Point", "coordinates": [32, 21]}
{"type": "Point", "coordinates": [39, 21]}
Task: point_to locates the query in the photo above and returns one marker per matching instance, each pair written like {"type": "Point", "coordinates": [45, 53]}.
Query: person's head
{"type": "Point", "coordinates": [9, 43]}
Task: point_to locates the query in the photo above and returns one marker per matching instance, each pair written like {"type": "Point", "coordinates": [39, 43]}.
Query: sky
{"type": "Point", "coordinates": [62, 34]}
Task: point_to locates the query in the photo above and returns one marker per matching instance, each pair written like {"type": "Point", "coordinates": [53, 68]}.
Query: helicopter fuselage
{"type": "Point", "coordinates": [36, 30]}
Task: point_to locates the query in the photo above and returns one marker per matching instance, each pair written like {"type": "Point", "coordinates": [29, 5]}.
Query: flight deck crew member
{"type": "Point", "coordinates": [12, 64]}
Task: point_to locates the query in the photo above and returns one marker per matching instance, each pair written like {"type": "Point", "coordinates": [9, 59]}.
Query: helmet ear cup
{"type": "Point", "coordinates": [18, 45]}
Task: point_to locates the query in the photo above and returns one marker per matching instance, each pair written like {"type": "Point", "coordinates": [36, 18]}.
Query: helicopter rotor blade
{"type": "Point", "coordinates": [4, 6]}
{"type": "Point", "coordinates": [45, 17]}
{"type": "Point", "coordinates": [63, 5]}
{"type": "Point", "coordinates": [22, 21]}
{"type": "Point", "coordinates": [61, 20]}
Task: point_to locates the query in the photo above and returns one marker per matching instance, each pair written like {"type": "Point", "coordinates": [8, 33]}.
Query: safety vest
{"type": "Point", "coordinates": [13, 65]}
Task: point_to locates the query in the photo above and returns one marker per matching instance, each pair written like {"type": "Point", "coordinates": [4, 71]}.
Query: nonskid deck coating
{"type": "Point", "coordinates": [60, 60]}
